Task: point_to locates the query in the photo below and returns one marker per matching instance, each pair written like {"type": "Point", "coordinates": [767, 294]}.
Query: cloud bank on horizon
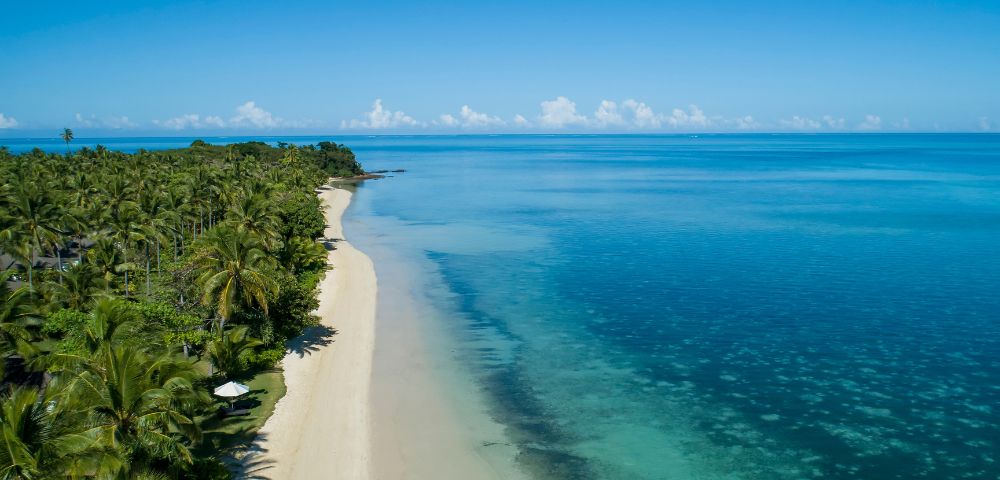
{"type": "Point", "coordinates": [554, 115]}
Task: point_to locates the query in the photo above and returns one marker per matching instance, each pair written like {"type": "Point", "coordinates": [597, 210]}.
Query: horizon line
{"type": "Point", "coordinates": [536, 134]}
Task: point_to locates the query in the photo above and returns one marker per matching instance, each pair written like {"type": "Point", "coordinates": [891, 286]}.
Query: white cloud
{"type": "Point", "coordinates": [560, 113]}
{"type": "Point", "coordinates": [745, 123]}
{"type": "Point", "coordinates": [636, 114]}
{"type": "Point", "coordinates": [872, 122]}
{"type": "Point", "coordinates": [473, 119]}
{"type": "Point", "coordinates": [631, 113]}
{"type": "Point", "coordinates": [520, 121]}
{"type": "Point", "coordinates": [380, 117]}
{"type": "Point", "coordinates": [250, 115]}
{"type": "Point", "coordinates": [81, 120]}
{"type": "Point", "coordinates": [903, 124]}
{"type": "Point", "coordinates": [213, 121]}
{"type": "Point", "coordinates": [112, 122]}
{"type": "Point", "coordinates": [984, 123]}
{"type": "Point", "coordinates": [800, 123]}
{"type": "Point", "coordinates": [7, 122]}
{"type": "Point", "coordinates": [642, 115]}
{"type": "Point", "coordinates": [607, 114]}
{"type": "Point", "coordinates": [834, 123]}
{"type": "Point", "coordinates": [469, 118]}
{"type": "Point", "coordinates": [694, 117]}
{"type": "Point", "coordinates": [447, 120]}
{"type": "Point", "coordinates": [247, 115]}
{"type": "Point", "coordinates": [191, 120]}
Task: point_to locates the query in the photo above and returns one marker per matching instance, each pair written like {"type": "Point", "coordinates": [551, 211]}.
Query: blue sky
{"type": "Point", "coordinates": [224, 67]}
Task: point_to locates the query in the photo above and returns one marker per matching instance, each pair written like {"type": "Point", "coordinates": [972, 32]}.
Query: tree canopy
{"type": "Point", "coordinates": [130, 283]}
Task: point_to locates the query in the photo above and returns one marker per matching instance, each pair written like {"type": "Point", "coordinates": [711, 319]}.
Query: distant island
{"type": "Point", "coordinates": [147, 299]}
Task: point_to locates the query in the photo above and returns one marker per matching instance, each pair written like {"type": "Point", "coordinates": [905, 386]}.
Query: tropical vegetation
{"type": "Point", "coordinates": [131, 284]}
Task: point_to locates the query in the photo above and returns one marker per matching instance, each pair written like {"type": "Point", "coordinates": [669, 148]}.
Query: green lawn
{"type": "Point", "coordinates": [223, 435]}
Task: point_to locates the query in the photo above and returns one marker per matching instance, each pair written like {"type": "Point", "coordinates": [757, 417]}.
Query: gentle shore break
{"type": "Point", "coordinates": [322, 427]}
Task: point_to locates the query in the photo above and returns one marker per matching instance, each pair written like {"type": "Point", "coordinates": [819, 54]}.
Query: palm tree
{"type": "Point", "coordinates": [104, 255]}
{"type": "Point", "coordinates": [233, 271]}
{"type": "Point", "coordinates": [255, 214]}
{"type": "Point", "coordinates": [82, 284]}
{"type": "Point", "coordinates": [119, 192]}
{"type": "Point", "coordinates": [140, 405]}
{"type": "Point", "coordinates": [126, 228]}
{"type": "Point", "coordinates": [302, 253]}
{"type": "Point", "coordinates": [67, 136]}
{"type": "Point", "coordinates": [225, 351]}
{"type": "Point", "coordinates": [17, 314]}
{"type": "Point", "coordinates": [39, 222]}
{"type": "Point", "coordinates": [175, 200]}
{"type": "Point", "coordinates": [157, 219]}
{"type": "Point", "coordinates": [38, 442]}
{"type": "Point", "coordinates": [79, 222]}
{"type": "Point", "coordinates": [115, 322]}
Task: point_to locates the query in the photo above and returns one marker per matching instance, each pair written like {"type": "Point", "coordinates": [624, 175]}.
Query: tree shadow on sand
{"type": "Point", "coordinates": [251, 464]}
{"type": "Point", "coordinates": [312, 340]}
{"type": "Point", "coordinates": [330, 244]}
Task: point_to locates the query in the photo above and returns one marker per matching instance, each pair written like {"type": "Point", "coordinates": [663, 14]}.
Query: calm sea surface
{"type": "Point", "coordinates": [765, 307]}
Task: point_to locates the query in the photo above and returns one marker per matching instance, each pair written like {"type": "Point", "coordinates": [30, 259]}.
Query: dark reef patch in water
{"type": "Point", "coordinates": [512, 400]}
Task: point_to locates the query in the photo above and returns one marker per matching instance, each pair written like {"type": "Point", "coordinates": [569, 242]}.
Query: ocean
{"type": "Point", "coordinates": [708, 306]}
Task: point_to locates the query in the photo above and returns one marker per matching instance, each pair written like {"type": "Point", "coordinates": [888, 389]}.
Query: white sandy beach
{"type": "Point", "coordinates": [321, 427]}
{"type": "Point", "coordinates": [355, 411]}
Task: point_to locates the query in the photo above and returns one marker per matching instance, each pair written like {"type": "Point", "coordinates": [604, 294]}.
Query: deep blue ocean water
{"type": "Point", "coordinates": [759, 306]}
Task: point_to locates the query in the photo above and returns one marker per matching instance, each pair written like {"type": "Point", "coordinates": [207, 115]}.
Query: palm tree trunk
{"type": "Point", "coordinates": [125, 258]}
{"type": "Point", "coordinates": [147, 269]}
{"type": "Point", "coordinates": [157, 256]}
{"type": "Point", "coordinates": [31, 265]}
{"type": "Point", "coordinates": [59, 265]}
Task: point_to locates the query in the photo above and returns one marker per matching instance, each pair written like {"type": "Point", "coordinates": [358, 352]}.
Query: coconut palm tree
{"type": "Point", "coordinates": [127, 228]}
{"type": "Point", "coordinates": [233, 271]}
{"type": "Point", "coordinates": [225, 350]}
{"type": "Point", "coordinates": [119, 192]}
{"type": "Point", "coordinates": [39, 224]}
{"type": "Point", "coordinates": [82, 283]}
{"type": "Point", "coordinates": [105, 255]}
{"type": "Point", "coordinates": [17, 315]}
{"type": "Point", "coordinates": [175, 200]}
{"type": "Point", "coordinates": [38, 442]}
{"type": "Point", "coordinates": [140, 405]}
{"type": "Point", "coordinates": [255, 214]}
{"type": "Point", "coordinates": [79, 222]}
{"type": "Point", "coordinates": [157, 218]}
{"type": "Point", "coordinates": [67, 136]}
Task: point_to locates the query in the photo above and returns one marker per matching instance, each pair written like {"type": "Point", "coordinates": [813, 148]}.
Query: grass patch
{"type": "Point", "coordinates": [224, 434]}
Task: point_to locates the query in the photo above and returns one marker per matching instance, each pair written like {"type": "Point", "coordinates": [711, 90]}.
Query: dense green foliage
{"type": "Point", "coordinates": [132, 284]}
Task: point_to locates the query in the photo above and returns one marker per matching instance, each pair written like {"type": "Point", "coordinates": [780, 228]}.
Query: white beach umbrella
{"type": "Point", "coordinates": [231, 389]}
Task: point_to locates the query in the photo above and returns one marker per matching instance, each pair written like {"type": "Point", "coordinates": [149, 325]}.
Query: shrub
{"type": "Point", "coordinates": [263, 359]}
{"type": "Point", "coordinates": [67, 326]}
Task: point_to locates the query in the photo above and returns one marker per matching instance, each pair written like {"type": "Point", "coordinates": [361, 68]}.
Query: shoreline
{"type": "Point", "coordinates": [359, 409]}
{"type": "Point", "coordinates": [321, 428]}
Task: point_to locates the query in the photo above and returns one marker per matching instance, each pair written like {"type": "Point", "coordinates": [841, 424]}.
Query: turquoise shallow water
{"type": "Point", "coordinates": [739, 307]}
{"type": "Point", "coordinates": [717, 307]}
